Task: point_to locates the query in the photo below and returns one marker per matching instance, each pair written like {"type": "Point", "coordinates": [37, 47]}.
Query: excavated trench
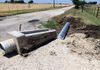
{"type": "Point", "coordinates": [77, 26]}
{"type": "Point", "coordinates": [82, 39]}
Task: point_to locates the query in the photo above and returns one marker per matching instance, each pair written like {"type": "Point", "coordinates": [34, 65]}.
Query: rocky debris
{"type": "Point", "coordinates": [87, 47]}
{"type": "Point", "coordinates": [53, 53]}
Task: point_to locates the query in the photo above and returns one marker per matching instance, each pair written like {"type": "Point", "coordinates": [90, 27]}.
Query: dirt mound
{"type": "Point", "coordinates": [77, 26]}
{"type": "Point", "coordinates": [82, 39]}
{"type": "Point", "coordinates": [88, 42]}
{"type": "Point", "coordinates": [86, 47]}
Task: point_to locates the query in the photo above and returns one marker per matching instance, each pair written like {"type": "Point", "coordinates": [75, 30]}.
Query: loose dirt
{"type": "Point", "coordinates": [86, 47]}
{"type": "Point", "coordinates": [83, 39]}
{"type": "Point", "coordinates": [77, 26]}
{"type": "Point", "coordinates": [74, 53]}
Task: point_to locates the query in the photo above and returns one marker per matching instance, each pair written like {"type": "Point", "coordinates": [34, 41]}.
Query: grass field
{"type": "Point", "coordinates": [86, 17]}
{"type": "Point", "coordinates": [11, 9]}
{"type": "Point", "coordinates": [92, 9]}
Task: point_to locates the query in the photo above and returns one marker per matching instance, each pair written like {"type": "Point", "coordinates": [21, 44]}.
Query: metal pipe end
{"type": "Point", "coordinates": [2, 52]}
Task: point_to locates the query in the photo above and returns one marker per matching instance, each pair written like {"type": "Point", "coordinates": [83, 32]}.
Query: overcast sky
{"type": "Point", "coordinates": [57, 1]}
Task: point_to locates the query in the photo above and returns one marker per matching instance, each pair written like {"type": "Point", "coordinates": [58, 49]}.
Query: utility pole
{"type": "Point", "coordinates": [54, 3]}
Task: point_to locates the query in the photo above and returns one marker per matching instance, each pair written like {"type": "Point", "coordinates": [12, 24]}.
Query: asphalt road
{"type": "Point", "coordinates": [29, 21]}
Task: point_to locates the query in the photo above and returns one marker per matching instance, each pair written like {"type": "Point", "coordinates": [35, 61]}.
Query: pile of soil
{"type": "Point", "coordinates": [77, 26]}
{"type": "Point", "coordinates": [83, 39]}
{"type": "Point", "coordinates": [85, 47]}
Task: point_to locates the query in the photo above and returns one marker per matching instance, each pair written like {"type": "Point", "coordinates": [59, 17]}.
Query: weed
{"type": "Point", "coordinates": [50, 24]}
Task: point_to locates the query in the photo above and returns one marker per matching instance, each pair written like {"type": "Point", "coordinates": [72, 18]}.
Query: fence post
{"type": "Point", "coordinates": [94, 11]}
{"type": "Point", "coordinates": [20, 27]}
{"type": "Point", "coordinates": [97, 12]}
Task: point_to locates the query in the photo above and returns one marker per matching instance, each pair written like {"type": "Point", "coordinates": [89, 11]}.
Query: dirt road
{"type": "Point", "coordinates": [28, 21]}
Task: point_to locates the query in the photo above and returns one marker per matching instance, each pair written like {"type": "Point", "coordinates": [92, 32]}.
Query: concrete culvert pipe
{"type": "Point", "coordinates": [8, 45]}
{"type": "Point", "coordinates": [26, 40]}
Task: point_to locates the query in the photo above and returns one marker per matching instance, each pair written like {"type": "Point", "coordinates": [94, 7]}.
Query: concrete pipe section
{"type": "Point", "coordinates": [8, 45]}
{"type": "Point", "coordinates": [25, 39]}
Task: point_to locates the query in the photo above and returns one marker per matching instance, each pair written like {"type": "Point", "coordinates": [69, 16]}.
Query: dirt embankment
{"type": "Point", "coordinates": [77, 26]}
{"type": "Point", "coordinates": [83, 39]}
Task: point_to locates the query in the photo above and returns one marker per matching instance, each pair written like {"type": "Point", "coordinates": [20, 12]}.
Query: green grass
{"type": "Point", "coordinates": [15, 12]}
{"type": "Point", "coordinates": [86, 17]}
{"type": "Point", "coordinates": [92, 10]}
{"type": "Point", "coordinates": [50, 24]}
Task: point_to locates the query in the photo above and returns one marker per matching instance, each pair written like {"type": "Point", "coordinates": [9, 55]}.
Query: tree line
{"type": "Point", "coordinates": [18, 1]}
{"type": "Point", "coordinates": [80, 3]}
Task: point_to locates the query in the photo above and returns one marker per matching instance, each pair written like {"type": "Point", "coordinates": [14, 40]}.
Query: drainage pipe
{"type": "Point", "coordinates": [64, 31]}
{"type": "Point", "coordinates": [22, 39]}
{"type": "Point", "coordinates": [8, 45]}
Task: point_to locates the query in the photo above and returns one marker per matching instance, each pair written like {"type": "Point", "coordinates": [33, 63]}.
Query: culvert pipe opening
{"type": "Point", "coordinates": [8, 46]}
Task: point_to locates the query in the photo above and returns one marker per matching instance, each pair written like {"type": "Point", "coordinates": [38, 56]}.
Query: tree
{"type": "Point", "coordinates": [12, 1]}
{"type": "Point", "coordinates": [92, 2]}
{"type": "Point", "coordinates": [82, 4]}
{"type": "Point", "coordinates": [77, 3]}
{"type": "Point", "coordinates": [6, 1]}
{"type": "Point", "coordinates": [31, 1]}
{"type": "Point", "coordinates": [17, 1]}
{"type": "Point", "coordinates": [21, 1]}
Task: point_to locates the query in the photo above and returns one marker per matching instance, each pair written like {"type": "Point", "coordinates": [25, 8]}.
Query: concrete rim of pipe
{"type": "Point", "coordinates": [8, 45]}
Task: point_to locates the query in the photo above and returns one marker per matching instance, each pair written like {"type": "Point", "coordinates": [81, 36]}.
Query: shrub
{"type": "Point", "coordinates": [50, 24]}
{"type": "Point", "coordinates": [31, 1]}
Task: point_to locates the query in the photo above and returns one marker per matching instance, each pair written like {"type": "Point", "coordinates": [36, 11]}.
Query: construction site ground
{"type": "Point", "coordinates": [79, 51]}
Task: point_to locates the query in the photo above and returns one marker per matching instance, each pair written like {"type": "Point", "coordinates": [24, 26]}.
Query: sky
{"type": "Point", "coordinates": [57, 1]}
